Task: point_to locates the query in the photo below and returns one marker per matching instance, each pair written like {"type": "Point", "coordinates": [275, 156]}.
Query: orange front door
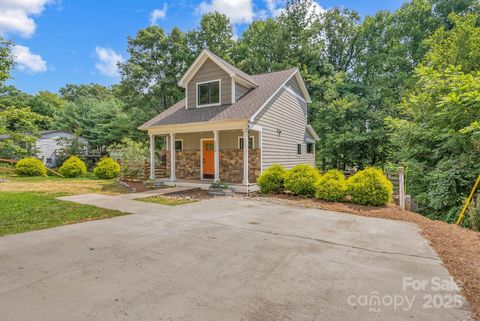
{"type": "Point", "coordinates": [208, 159]}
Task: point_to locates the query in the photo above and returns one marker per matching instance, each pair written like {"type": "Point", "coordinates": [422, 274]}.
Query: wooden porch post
{"type": "Point", "coordinates": [216, 144]}
{"type": "Point", "coordinates": [245, 156]}
{"type": "Point", "coordinates": [152, 156]}
{"type": "Point", "coordinates": [172, 157]}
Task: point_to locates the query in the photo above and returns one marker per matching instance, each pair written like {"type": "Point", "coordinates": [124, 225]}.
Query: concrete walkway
{"type": "Point", "coordinates": [224, 259]}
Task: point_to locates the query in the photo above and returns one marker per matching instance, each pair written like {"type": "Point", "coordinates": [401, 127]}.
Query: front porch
{"type": "Point", "coordinates": [203, 157]}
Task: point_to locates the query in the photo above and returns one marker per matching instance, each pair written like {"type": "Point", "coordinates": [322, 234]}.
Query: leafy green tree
{"type": "Point", "coordinates": [74, 93]}
{"type": "Point", "coordinates": [45, 103]}
{"type": "Point", "coordinates": [12, 97]}
{"type": "Point", "coordinates": [19, 130]}
{"type": "Point", "coordinates": [214, 33]}
{"type": "Point", "coordinates": [149, 77]}
{"type": "Point", "coordinates": [438, 133]}
{"type": "Point", "coordinates": [458, 46]}
{"type": "Point", "coordinates": [6, 59]}
{"type": "Point", "coordinates": [102, 122]}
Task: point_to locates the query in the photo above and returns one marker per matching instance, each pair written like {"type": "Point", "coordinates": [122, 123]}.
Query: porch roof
{"type": "Point", "coordinates": [244, 108]}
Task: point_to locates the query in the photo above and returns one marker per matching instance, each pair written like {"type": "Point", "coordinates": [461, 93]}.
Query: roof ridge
{"type": "Point", "coordinates": [272, 72]}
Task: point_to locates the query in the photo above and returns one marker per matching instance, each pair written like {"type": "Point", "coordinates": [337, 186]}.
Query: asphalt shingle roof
{"type": "Point", "coordinates": [245, 107]}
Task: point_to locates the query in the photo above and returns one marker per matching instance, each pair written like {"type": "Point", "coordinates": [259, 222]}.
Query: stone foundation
{"type": "Point", "coordinates": [187, 165]}
{"type": "Point", "coordinates": [231, 165]}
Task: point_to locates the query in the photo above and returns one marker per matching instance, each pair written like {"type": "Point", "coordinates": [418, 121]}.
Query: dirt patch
{"type": "Point", "coordinates": [458, 247]}
{"type": "Point", "coordinates": [196, 194]}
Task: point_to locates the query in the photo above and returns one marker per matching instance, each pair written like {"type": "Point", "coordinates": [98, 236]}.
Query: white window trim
{"type": "Point", "coordinates": [301, 147]}
{"type": "Point", "coordinates": [313, 148]}
{"type": "Point", "coordinates": [241, 137]}
{"type": "Point", "coordinates": [219, 92]}
{"type": "Point", "coordinates": [179, 140]}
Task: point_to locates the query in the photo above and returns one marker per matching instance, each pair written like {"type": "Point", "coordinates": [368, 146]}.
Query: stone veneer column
{"type": "Point", "coordinates": [245, 156]}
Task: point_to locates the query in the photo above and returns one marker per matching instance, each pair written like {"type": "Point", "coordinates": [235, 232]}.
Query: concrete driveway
{"type": "Point", "coordinates": [224, 259]}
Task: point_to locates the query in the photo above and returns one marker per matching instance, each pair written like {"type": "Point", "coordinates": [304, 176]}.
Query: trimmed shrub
{"type": "Point", "coordinates": [301, 180]}
{"type": "Point", "coordinates": [73, 167]}
{"type": "Point", "coordinates": [272, 180]}
{"type": "Point", "coordinates": [107, 168]}
{"type": "Point", "coordinates": [30, 167]}
{"type": "Point", "coordinates": [370, 187]}
{"type": "Point", "coordinates": [331, 186]}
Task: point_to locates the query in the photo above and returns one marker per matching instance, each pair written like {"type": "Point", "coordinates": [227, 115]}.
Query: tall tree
{"type": "Point", "coordinates": [150, 75]}
{"type": "Point", "coordinates": [214, 33]}
{"type": "Point", "coordinates": [6, 59]}
{"type": "Point", "coordinates": [438, 133]}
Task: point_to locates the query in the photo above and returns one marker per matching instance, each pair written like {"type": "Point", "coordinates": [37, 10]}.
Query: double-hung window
{"type": "Point", "coordinates": [250, 142]}
{"type": "Point", "coordinates": [208, 94]}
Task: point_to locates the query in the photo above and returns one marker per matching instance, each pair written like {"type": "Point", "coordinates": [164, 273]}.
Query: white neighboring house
{"type": "Point", "coordinates": [48, 145]}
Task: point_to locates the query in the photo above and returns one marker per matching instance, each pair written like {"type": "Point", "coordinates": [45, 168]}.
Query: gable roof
{"type": "Point", "coordinates": [244, 108]}
{"type": "Point", "coordinates": [230, 69]}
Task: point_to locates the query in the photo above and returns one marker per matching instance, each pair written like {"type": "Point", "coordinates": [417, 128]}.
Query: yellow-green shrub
{"type": "Point", "coordinates": [107, 168]}
{"type": "Point", "coordinates": [301, 180]}
{"type": "Point", "coordinates": [370, 187]}
{"type": "Point", "coordinates": [331, 186]}
{"type": "Point", "coordinates": [272, 180]}
{"type": "Point", "coordinates": [73, 167]}
{"type": "Point", "coordinates": [30, 167]}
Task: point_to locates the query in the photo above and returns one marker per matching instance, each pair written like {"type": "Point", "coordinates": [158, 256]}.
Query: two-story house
{"type": "Point", "coordinates": [229, 117]}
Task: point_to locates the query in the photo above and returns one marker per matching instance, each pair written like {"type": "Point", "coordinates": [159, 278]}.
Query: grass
{"type": "Point", "coordinates": [28, 203]}
{"type": "Point", "coordinates": [52, 184]}
{"type": "Point", "coordinates": [28, 211]}
{"type": "Point", "coordinates": [170, 201]}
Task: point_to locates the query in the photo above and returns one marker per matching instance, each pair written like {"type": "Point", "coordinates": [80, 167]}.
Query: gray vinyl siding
{"type": "Point", "coordinates": [240, 91]}
{"type": "Point", "coordinates": [286, 113]}
{"type": "Point", "coordinates": [228, 139]}
{"type": "Point", "coordinates": [293, 85]}
{"type": "Point", "coordinates": [210, 71]}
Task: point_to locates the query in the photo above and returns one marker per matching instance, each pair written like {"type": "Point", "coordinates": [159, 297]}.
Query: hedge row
{"type": "Point", "coordinates": [106, 168]}
{"type": "Point", "coordinates": [366, 187]}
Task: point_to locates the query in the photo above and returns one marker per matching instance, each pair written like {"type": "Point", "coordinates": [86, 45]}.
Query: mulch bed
{"type": "Point", "coordinates": [458, 247]}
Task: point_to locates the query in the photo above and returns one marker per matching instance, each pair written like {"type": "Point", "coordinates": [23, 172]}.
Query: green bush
{"type": "Point", "coordinates": [370, 187]}
{"type": "Point", "coordinates": [331, 186]}
{"type": "Point", "coordinates": [30, 167]}
{"type": "Point", "coordinates": [301, 180]}
{"type": "Point", "coordinates": [272, 180]}
{"type": "Point", "coordinates": [474, 218]}
{"type": "Point", "coordinates": [107, 168]}
{"type": "Point", "coordinates": [73, 167]}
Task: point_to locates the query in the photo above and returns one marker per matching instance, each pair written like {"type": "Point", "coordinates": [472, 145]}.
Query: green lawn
{"type": "Point", "coordinates": [28, 203]}
{"type": "Point", "coordinates": [28, 211]}
{"type": "Point", "coordinates": [165, 200]}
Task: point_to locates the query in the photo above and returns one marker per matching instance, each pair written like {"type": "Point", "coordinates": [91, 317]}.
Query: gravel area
{"type": "Point", "coordinates": [458, 247]}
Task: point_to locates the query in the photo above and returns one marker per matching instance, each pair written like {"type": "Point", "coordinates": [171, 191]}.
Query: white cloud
{"type": "Point", "coordinates": [239, 11]}
{"type": "Point", "coordinates": [15, 16]}
{"type": "Point", "coordinates": [28, 61]}
{"type": "Point", "coordinates": [107, 61]}
{"type": "Point", "coordinates": [158, 14]}
{"type": "Point", "coordinates": [276, 7]}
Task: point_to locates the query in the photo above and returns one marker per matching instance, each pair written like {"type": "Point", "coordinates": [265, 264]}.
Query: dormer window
{"type": "Point", "coordinates": [208, 93]}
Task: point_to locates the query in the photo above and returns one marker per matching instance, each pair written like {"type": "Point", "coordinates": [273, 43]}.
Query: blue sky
{"type": "Point", "coordinates": [64, 41]}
